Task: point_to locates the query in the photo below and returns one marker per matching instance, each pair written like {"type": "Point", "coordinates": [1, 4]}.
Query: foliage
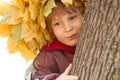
{"type": "Point", "coordinates": [23, 21]}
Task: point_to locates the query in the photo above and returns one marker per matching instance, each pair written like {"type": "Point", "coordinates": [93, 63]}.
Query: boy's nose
{"type": "Point", "coordinates": [67, 26]}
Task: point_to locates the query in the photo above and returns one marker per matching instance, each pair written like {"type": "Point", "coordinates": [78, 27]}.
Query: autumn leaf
{"type": "Point", "coordinates": [34, 6]}
{"type": "Point", "coordinates": [26, 15]}
{"type": "Point", "coordinates": [3, 7]}
{"type": "Point", "coordinates": [19, 3]}
{"type": "Point", "coordinates": [16, 31]}
{"type": "Point", "coordinates": [47, 7]}
{"type": "Point", "coordinates": [41, 20]}
{"type": "Point", "coordinates": [12, 16]}
{"type": "Point", "coordinates": [4, 30]}
{"type": "Point", "coordinates": [26, 1]}
{"type": "Point", "coordinates": [25, 30]}
{"type": "Point", "coordinates": [35, 35]}
{"type": "Point", "coordinates": [11, 45]}
{"type": "Point", "coordinates": [33, 44]}
{"type": "Point", "coordinates": [23, 21]}
{"type": "Point", "coordinates": [67, 2]}
{"type": "Point", "coordinates": [79, 2]}
{"type": "Point", "coordinates": [26, 53]}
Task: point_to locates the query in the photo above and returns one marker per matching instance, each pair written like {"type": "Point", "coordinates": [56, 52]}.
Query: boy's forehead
{"type": "Point", "coordinates": [59, 9]}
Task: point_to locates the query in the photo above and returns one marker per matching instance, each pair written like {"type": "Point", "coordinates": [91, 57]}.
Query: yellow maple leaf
{"type": "Point", "coordinates": [26, 1]}
{"type": "Point", "coordinates": [26, 30]}
{"type": "Point", "coordinates": [4, 30]}
{"type": "Point", "coordinates": [26, 15]}
{"type": "Point", "coordinates": [36, 35]}
{"type": "Point", "coordinates": [79, 2]}
{"type": "Point", "coordinates": [41, 20]}
{"type": "Point", "coordinates": [26, 53]}
{"type": "Point", "coordinates": [16, 31]}
{"type": "Point", "coordinates": [47, 7]}
{"type": "Point", "coordinates": [24, 23]}
{"type": "Point", "coordinates": [67, 2]}
{"type": "Point", "coordinates": [11, 45]}
{"type": "Point", "coordinates": [19, 3]}
{"type": "Point", "coordinates": [12, 16]}
{"type": "Point", "coordinates": [34, 6]}
{"type": "Point", "coordinates": [33, 44]}
{"type": "Point", "coordinates": [3, 7]}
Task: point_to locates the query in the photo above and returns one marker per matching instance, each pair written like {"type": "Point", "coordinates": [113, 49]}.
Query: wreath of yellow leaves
{"type": "Point", "coordinates": [23, 22]}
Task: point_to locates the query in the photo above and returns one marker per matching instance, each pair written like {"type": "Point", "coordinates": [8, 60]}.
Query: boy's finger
{"type": "Point", "coordinates": [68, 69]}
{"type": "Point", "coordinates": [73, 78]}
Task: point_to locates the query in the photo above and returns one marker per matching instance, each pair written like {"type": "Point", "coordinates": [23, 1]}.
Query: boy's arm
{"type": "Point", "coordinates": [49, 70]}
{"type": "Point", "coordinates": [40, 75]}
{"type": "Point", "coordinates": [46, 67]}
{"type": "Point", "coordinates": [55, 76]}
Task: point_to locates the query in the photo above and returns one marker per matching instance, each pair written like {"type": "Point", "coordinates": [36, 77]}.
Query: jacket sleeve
{"type": "Point", "coordinates": [46, 67]}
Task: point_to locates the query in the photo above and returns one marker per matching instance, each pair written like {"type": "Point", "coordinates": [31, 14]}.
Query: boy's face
{"type": "Point", "coordinates": [66, 27]}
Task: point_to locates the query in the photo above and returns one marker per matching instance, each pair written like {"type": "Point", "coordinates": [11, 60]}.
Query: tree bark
{"type": "Point", "coordinates": [97, 55]}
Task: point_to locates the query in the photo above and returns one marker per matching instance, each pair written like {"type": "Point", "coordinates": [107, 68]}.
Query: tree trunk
{"type": "Point", "coordinates": [97, 55]}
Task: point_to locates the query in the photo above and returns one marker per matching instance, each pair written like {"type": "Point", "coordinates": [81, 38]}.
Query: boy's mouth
{"type": "Point", "coordinates": [72, 37]}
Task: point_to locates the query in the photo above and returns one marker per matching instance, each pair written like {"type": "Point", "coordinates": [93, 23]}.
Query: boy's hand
{"type": "Point", "coordinates": [66, 76]}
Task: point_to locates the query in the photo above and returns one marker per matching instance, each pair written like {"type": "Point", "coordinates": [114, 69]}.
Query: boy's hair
{"type": "Point", "coordinates": [66, 10]}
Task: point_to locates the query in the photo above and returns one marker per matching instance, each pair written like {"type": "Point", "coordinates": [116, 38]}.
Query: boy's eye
{"type": "Point", "coordinates": [56, 24]}
{"type": "Point", "coordinates": [72, 17]}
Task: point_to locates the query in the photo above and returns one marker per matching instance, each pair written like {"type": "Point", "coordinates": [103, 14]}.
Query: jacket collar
{"type": "Point", "coordinates": [56, 45]}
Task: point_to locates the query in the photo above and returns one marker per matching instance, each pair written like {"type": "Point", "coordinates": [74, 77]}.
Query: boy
{"type": "Point", "coordinates": [64, 24]}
